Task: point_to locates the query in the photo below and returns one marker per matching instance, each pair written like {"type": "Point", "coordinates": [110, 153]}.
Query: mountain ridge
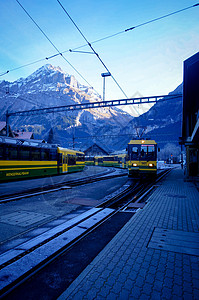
{"type": "Point", "coordinates": [49, 86]}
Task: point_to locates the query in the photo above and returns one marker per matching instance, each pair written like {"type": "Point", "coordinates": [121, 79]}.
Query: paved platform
{"type": "Point", "coordinates": [150, 257]}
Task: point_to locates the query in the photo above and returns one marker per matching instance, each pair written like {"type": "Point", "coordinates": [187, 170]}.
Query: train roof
{"type": "Point", "coordinates": [23, 142]}
{"type": "Point", "coordinates": [142, 142]}
{"type": "Point", "coordinates": [69, 151]}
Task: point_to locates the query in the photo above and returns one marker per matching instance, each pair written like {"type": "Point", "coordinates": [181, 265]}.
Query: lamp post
{"type": "Point", "coordinates": [104, 75]}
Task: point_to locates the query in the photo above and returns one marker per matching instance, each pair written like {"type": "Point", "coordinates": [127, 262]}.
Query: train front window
{"type": "Point", "coordinates": [147, 152]}
{"type": "Point", "coordinates": [134, 153]}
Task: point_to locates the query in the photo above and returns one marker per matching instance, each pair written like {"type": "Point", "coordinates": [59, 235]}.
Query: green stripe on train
{"type": "Point", "coordinates": [26, 173]}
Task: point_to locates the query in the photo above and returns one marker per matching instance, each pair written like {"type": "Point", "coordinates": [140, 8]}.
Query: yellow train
{"type": "Point", "coordinates": [26, 159]}
{"type": "Point", "coordinates": [117, 161]}
{"type": "Point", "coordinates": [142, 158]}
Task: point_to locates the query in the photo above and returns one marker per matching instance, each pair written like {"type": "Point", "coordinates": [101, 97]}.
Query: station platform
{"type": "Point", "coordinates": [155, 255]}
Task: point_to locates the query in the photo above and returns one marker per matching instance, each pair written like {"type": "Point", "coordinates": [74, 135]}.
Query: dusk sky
{"type": "Point", "coordinates": [147, 60]}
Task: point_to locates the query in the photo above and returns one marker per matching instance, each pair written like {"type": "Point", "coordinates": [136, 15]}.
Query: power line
{"type": "Point", "coordinates": [21, 98]}
{"type": "Point", "coordinates": [59, 53]}
{"type": "Point", "coordinates": [89, 44]}
{"type": "Point", "coordinates": [112, 135]}
{"type": "Point", "coordinates": [101, 39]}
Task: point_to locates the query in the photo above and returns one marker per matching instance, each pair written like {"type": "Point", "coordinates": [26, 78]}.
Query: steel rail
{"type": "Point", "coordinates": [62, 185]}
{"type": "Point", "coordinates": [80, 223]}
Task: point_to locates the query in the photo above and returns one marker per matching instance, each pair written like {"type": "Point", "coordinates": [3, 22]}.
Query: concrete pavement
{"type": "Point", "coordinates": [155, 255]}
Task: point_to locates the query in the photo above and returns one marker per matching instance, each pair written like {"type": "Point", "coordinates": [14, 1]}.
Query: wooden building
{"type": "Point", "coordinates": [190, 123]}
{"type": "Point", "coordinates": [3, 130]}
{"type": "Point", "coordinates": [96, 150]}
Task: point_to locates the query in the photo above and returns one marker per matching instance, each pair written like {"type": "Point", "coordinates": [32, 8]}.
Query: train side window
{"type": "Point", "coordinates": [24, 153]}
{"type": "Point", "coordinates": [88, 158]}
{"type": "Point", "coordinates": [45, 154]}
{"type": "Point", "coordinates": [53, 155]}
{"type": "Point", "coordinates": [81, 157]}
{"type": "Point", "coordinates": [35, 154]}
{"type": "Point", "coordinates": [1, 152]}
{"type": "Point", "coordinates": [71, 160]}
{"type": "Point", "coordinates": [11, 152]}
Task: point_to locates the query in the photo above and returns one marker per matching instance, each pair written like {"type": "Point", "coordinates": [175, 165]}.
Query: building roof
{"type": "Point", "coordinates": [94, 147]}
{"type": "Point", "coordinates": [2, 125]}
{"type": "Point", "coordinates": [3, 129]}
{"type": "Point", "coordinates": [25, 135]}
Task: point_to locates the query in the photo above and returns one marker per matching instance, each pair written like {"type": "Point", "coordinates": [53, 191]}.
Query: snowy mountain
{"type": "Point", "coordinates": [49, 86]}
{"type": "Point", "coordinates": [162, 122]}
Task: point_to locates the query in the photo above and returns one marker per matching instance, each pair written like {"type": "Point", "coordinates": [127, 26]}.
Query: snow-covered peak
{"type": "Point", "coordinates": [49, 75]}
{"type": "Point", "coordinates": [48, 70]}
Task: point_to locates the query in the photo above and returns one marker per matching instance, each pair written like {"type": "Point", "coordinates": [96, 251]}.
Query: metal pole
{"type": "Point", "coordinates": [7, 123]}
{"type": "Point", "coordinates": [73, 137]}
{"type": "Point", "coordinates": [104, 75]}
{"type": "Point", "coordinates": [104, 89]}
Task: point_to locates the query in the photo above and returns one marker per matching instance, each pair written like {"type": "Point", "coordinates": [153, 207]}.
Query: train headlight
{"type": "Point", "coordinates": [135, 165]}
{"type": "Point", "coordinates": [151, 165]}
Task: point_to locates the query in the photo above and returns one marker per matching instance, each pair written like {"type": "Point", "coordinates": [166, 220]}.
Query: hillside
{"type": "Point", "coordinates": [50, 86]}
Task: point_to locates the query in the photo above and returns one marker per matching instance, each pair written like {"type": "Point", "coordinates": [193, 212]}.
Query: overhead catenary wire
{"type": "Point", "coordinates": [59, 53]}
{"type": "Point", "coordinates": [30, 101]}
{"type": "Point", "coordinates": [89, 44]}
{"type": "Point", "coordinates": [101, 39]}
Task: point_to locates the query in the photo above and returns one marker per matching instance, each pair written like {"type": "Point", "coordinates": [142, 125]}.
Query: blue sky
{"type": "Point", "coordinates": [147, 60]}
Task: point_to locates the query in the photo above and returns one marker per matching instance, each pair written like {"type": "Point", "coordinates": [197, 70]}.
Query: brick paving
{"type": "Point", "coordinates": [127, 268]}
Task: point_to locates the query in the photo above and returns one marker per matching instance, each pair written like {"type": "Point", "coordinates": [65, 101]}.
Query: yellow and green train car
{"type": "Point", "coordinates": [142, 158]}
{"type": "Point", "coordinates": [90, 160]}
{"type": "Point", "coordinates": [117, 161]}
{"type": "Point", "coordinates": [122, 161]}
{"type": "Point", "coordinates": [105, 161]}
{"type": "Point", "coordinates": [26, 159]}
{"type": "Point", "coordinates": [72, 161]}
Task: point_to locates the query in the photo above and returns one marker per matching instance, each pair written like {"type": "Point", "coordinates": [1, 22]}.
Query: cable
{"type": "Point", "coordinates": [162, 17]}
{"type": "Point", "coordinates": [59, 53]}
{"type": "Point", "coordinates": [101, 39]}
{"type": "Point", "coordinates": [21, 98]}
{"type": "Point", "coordinates": [89, 44]}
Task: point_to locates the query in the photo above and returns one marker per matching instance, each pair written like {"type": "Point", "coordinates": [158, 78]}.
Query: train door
{"type": "Point", "coordinates": [64, 163]}
{"type": "Point", "coordinates": [59, 163]}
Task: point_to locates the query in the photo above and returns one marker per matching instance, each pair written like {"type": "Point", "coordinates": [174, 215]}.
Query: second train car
{"type": "Point", "coordinates": [117, 161]}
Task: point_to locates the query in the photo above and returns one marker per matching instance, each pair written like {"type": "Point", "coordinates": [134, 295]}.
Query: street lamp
{"type": "Point", "coordinates": [104, 75]}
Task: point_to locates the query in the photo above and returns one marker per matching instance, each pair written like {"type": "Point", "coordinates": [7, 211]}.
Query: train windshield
{"type": "Point", "coordinates": [147, 152]}
{"type": "Point", "coordinates": [142, 152]}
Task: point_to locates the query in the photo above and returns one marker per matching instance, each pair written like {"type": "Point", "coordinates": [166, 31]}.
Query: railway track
{"type": "Point", "coordinates": [133, 193]}
{"type": "Point", "coordinates": [109, 174]}
{"type": "Point", "coordinates": [25, 259]}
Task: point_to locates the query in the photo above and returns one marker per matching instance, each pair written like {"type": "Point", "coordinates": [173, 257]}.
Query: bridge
{"type": "Point", "coordinates": [109, 103]}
